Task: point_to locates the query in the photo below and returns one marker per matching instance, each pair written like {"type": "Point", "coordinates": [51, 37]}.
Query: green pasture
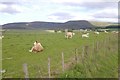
{"type": "Point", "coordinates": [16, 45]}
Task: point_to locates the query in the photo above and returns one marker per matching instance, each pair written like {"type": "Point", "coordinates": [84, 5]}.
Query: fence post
{"type": "Point", "coordinates": [105, 45]}
{"type": "Point", "coordinates": [109, 44]}
{"type": "Point", "coordinates": [25, 69]}
{"type": "Point", "coordinates": [83, 54]}
{"type": "Point", "coordinates": [49, 66]}
{"type": "Point", "coordinates": [94, 51]}
{"type": "Point", "coordinates": [62, 61]}
{"type": "Point", "coordinates": [76, 58]}
{"type": "Point", "coordinates": [86, 51]}
{"type": "Point", "coordinates": [97, 46]}
{"type": "Point", "coordinates": [119, 72]}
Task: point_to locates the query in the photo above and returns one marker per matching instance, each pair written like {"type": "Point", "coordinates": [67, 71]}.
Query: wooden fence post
{"type": "Point", "coordinates": [105, 46]}
{"type": "Point", "coordinates": [25, 69]}
{"type": "Point", "coordinates": [109, 44]}
{"type": "Point", "coordinates": [76, 58]}
{"type": "Point", "coordinates": [49, 66]}
{"type": "Point", "coordinates": [83, 54]}
{"type": "Point", "coordinates": [86, 51]}
{"type": "Point", "coordinates": [119, 72]}
{"type": "Point", "coordinates": [94, 50]}
{"type": "Point", "coordinates": [62, 61]}
{"type": "Point", "coordinates": [97, 46]}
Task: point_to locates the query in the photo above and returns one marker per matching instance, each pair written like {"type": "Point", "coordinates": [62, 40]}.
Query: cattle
{"type": "Point", "coordinates": [51, 31]}
{"type": "Point", "coordinates": [1, 37]}
{"type": "Point", "coordinates": [2, 71]}
{"type": "Point", "coordinates": [85, 35]}
{"type": "Point", "coordinates": [105, 31]}
{"type": "Point", "coordinates": [37, 47]}
{"type": "Point", "coordinates": [69, 35]}
{"type": "Point", "coordinates": [115, 32]}
{"type": "Point", "coordinates": [96, 32]}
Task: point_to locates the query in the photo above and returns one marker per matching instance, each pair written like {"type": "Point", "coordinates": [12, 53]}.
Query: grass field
{"type": "Point", "coordinates": [16, 45]}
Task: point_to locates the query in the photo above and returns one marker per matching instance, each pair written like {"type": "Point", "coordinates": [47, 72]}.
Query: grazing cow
{"type": "Point", "coordinates": [2, 71]}
{"type": "Point", "coordinates": [105, 31]}
{"type": "Point", "coordinates": [37, 47]}
{"type": "Point", "coordinates": [85, 35]}
{"type": "Point", "coordinates": [1, 37]}
{"type": "Point", "coordinates": [69, 34]}
{"type": "Point", "coordinates": [96, 32]}
{"type": "Point", "coordinates": [115, 32]}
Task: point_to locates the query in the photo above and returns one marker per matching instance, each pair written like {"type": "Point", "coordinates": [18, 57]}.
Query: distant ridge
{"type": "Point", "coordinates": [73, 24]}
{"type": "Point", "coordinates": [102, 24]}
{"type": "Point", "coordinates": [77, 24]}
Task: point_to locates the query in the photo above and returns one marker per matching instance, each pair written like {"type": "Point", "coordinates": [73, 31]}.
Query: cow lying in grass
{"type": "Point", "coordinates": [37, 47]}
{"type": "Point", "coordinates": [85, 35]}
{"type": "Point", "coordinates": [69, 34]}
{"type": "Point", "coordinates": [96, 32]}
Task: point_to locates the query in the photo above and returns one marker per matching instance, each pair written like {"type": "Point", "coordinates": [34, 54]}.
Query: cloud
{"type": "Point", "coordinates": [8, 3]}
{"type": "Point", "coordinates": [12, 7]}
{"type": "Point", "coordinates": [10, 10]}
{"type": "Point", "coordinates": [19, 6]}
{"type": "Point", "coordinates": [11, 2]}
{"type": "Point", "coordinates": [92, 5]}
{"type": "Point", "coordinates": [8, 7]}
{"type": "Point", "coordinates": [81, 1]}
{"type": "Point", "coordinates": [61, 16]}
{"type": "Point", "coordinates": [106, 13]}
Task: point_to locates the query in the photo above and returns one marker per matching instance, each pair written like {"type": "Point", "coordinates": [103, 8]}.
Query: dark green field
{"type": "Point", "coordinates": [100, 62]}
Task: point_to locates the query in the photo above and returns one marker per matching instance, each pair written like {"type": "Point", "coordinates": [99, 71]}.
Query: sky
{"type": "Point", "coordinates": [58, 10]}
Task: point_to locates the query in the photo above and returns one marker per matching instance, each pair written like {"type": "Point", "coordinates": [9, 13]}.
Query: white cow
{"type": "Point", "coordinates": [105, 31]}
{"type": "Point", "coordinates": [85, 35]}
{"type": "Point", "coordinates": [69, 34]}
{"type": "Point", "coordinates": [2, 71]}
{"type": "Point", "coordinates": [96, 32]}
{"type": "Point", "coordinates": [115, 32]}
{"type": "Point", "coordinates": [1, 37]}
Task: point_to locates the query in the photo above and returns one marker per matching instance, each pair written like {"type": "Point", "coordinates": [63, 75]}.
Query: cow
{"type": "Point", "coordinates": [1, 37]}
{"type": "Point", "coordinates": [69, 35]}
{"type": "Point", "coordinates": [37, 47]}
{"type": "Point", "coordinates": [85, 35]}
{"type": "Point", "coordinates": [96, 32]}
{"type": "Point", "coordinates": [105, 31]}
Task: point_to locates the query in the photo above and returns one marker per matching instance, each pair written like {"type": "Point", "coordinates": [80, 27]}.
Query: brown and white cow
{"type": "Point", "coordinates": [69, 34]}
{"type": "Point", "coordinates": [37, 47]}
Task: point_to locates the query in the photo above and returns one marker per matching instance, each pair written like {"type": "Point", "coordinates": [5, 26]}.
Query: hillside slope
{"type": "Point", "coordinates": [49, 25]}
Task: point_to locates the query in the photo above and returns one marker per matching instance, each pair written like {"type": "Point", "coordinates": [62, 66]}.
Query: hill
{"type": "Point", "coordinates": [102, 24]}
{"type": "Point", "coordinates": [78, 24]}
{"type": "Point", "coordinates": [75, 24]}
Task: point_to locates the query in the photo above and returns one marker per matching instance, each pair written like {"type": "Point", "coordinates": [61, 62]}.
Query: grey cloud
{"type": "Point", "coordinates": [105, 15]}
{"type": "Point", "coordinates": [93, 5]}
{"type": "Point", "coordinates": [9, 10]}
{"type": "Point", "coordinates": [62, 16]}
{"type": "Point", "coordinates": [9, 3]}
